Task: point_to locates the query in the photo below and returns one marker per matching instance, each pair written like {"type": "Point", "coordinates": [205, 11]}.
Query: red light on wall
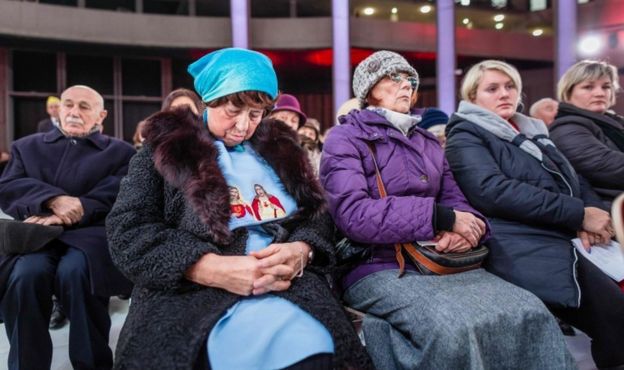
{"type": "Point", "coordinates": [323, 57]}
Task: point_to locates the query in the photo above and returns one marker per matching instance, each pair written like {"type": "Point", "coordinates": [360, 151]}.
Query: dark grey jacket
{"type": "Point", "coordinates": [169, 213]}
{"type": "Point", "coordinates": [576, 133]}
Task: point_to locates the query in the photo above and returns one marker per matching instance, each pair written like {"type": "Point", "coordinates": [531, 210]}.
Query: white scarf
{"type": "Point", "coordinates": [402, 122]}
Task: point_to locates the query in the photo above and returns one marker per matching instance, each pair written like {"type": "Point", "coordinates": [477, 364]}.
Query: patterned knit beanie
{"type": "Point", "coordinates": [374, 68]}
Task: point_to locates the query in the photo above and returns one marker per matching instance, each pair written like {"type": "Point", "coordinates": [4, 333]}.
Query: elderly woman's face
{"type": "Point", "coordinates": [232, 124]}
{"type": "Point", "coordinates": [292, 119]}
{"type": "Point", "coordinates": [594, 95]}
{"type": "Point", "coordinates": [393, 93]}
{"type": "Point", "coordinates": [497, 93]}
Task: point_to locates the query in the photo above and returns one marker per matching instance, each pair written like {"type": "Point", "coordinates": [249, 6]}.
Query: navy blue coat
{"type": "Point", "coordinates": [533, 213]}
{"type": "Point", "coordinates": [46, 165]}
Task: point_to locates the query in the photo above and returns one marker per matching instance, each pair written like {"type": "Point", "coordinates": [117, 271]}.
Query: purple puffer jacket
{"type": "Point", "coordinates": [416, 176]}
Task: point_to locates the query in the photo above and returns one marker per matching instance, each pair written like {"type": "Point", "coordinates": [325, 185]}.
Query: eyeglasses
{"type": "Point", "coordinates": [397, 78]}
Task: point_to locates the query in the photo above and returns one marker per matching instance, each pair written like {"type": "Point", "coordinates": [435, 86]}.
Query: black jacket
{"type": "Point", "coordinates": [169, 213]}
{"type": "Point", "coordinates": [577, 133]}
{"type": "Point", "coordinates": [533, 212]}
{"type": "Point", "coordinates": [46, 165]}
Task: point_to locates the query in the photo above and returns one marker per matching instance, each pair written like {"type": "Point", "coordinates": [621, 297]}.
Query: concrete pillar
{"type": "Point", "coordinates": [565, 35]}
{"type": "Point", "coordinates": [239, 13]}
{"type": "Point", "coordinates": [341, 69]}
{"type": "Point", "coordinates": [445, 63]}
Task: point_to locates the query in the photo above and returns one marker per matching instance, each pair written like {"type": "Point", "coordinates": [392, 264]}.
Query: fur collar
{"type": "Point", "coordinates": [184, 154]}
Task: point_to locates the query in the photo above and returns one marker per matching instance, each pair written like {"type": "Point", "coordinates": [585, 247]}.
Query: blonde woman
{"type": "Point", "coordinates": [510, 171]}
{"type": "Point", "coordinates": [586, 131]}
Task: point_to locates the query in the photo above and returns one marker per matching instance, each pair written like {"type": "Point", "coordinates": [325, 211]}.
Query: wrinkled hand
{"type": "Point", "coordinates": [448, 242]}
{"type": "Point", "coordinates": [235, 274]}
{"type": "Point", "coordinates": [44, 220]}
{"type": "Point", "coordinates": [588, 239]}
{"type": "Point", "coordinates": [279, 264]}
{"type": "Point", "coordinates": [469, 226]}
{"type": "Point", "coordinates": [598, 222]}
{"type": "Point", "coordinates": [68, 209]}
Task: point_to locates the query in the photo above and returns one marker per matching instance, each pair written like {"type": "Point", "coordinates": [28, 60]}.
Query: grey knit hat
{"type": "Point", "coordinates": [374, 68]}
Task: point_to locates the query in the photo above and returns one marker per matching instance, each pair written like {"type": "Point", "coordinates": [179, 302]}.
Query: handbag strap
{"type": "Point", "coordinates": [398, 247]}
{"type": "Point", "coordinates": [409, 247]}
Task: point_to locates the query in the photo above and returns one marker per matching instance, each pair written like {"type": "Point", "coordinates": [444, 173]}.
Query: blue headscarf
{"type": "Point", "coordinates": [228, 71]}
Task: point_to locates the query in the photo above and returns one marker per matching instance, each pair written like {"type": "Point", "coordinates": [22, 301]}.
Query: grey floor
{"type": "Point", "coordinates": [578, 345]}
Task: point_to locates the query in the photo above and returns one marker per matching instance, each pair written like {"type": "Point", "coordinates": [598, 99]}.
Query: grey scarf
{"type": "Point", "coordinates": [502, 129]}
{"type": "Point", "coordinates": [402, 122]}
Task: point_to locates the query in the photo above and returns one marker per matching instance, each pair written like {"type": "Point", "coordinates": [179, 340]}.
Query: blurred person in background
{"type": "Point", "coordinates": [175, 99]}
{"type": "Point", "coordinates": [544, 109]}
{"type": "Point", "coordinates": [288, 110]}
{"type": "Point", "coordinates": [53, 105]}
{"type": "Point", "coordinates": [310, 139]}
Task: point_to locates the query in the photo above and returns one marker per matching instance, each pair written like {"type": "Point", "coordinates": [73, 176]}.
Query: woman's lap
{"type": "Point", "coordinates": [447, 317]}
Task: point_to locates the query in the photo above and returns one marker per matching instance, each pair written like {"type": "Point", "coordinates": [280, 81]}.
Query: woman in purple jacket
{"type": "Point", "coordinates": [470, 320]}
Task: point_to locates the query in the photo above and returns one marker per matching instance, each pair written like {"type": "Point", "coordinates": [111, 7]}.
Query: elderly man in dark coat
{"type": "Point", "coordinates": [68, 176]}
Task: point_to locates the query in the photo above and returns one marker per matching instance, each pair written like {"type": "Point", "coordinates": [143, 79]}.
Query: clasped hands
{"type": "Point", "coordinates": [66, 210]}
{"type": "Point", "coordinates": [269, 269]}
{"type": "Point", "coordinates": [467, 231]}
{"type": "Point", "coordinates": [597, 228]}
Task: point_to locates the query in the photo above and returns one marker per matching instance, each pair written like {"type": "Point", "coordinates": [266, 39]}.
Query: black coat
{"type": "Point", "coordinates": [533, 213]}
{"type": "Point", "coordinates": [577, 133]}
{"type": "Point", "coordinates": [173, 208]}
{"type": "Point", "coordinates": [46, 165]}
{"type": "Point", "coordinates": [45, 125]}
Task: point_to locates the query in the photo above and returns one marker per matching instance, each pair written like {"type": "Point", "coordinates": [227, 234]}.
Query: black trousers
{"type": "Point", "coordinates": [600, 315]}
{"type": "Point", "coordinates": [27, 305]}
{"type": "Point", "coordinates": [321, 361]}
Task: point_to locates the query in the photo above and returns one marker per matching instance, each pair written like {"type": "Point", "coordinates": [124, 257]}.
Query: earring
{"type": "Point", "coordinates": [205, 117]}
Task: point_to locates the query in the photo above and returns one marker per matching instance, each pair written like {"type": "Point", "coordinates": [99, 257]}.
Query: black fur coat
{"type": "Point", "coordinates": [173, 207]}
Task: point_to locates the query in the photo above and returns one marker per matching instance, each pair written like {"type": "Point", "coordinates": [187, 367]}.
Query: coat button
{"type": "Point", "coordinates": [424, 178]}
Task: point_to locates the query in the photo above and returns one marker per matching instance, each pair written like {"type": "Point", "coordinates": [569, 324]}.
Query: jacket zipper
{"type": "Point", "coordinates": [562, 178]}
{"type": "Point", "coordinates": [578, 287]}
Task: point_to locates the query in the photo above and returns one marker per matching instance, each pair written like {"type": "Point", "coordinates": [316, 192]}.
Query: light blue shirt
{"type": "Point", "coordinates": [264, 332]}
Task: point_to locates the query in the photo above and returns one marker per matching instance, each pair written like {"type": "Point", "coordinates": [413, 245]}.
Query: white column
{"type": "Point", "coordinates": [239, 14]}
{"type": "Point", "coordinates": [565, 36]}
{"type": "Point", "coordinates": [341, 68]}
{"type": "Point", "coordinates": [445, 63]}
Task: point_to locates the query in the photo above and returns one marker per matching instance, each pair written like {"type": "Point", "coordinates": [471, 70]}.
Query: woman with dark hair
{"type": "Point", "coordinates": [182, 97]}
{"type": "Point", "coordinates": [235, 292]}
{"type": "Point", "coordinates": [175, 99]}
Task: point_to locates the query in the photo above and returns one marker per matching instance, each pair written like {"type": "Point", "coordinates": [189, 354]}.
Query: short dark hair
{"type": "Point", "coordinates": [166, 105]}
{"type": "Point", "coordinates": [254, 99]}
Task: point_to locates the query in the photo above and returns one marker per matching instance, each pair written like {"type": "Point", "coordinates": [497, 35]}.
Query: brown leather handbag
{"type": "Point", "coordinates": [425, 257]}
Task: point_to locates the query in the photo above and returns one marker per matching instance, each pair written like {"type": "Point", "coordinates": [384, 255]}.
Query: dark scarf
{"type": "Point", "coordinates": [611, 124]}
{"type": "Point", "coordinates": [614, 134]}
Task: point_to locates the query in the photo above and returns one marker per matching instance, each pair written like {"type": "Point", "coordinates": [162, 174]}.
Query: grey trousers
{"type": "Point", "coordinates": [472, 320]}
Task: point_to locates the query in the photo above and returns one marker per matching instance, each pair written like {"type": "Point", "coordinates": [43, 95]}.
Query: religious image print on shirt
{"type": "Point", "coordinates": [238, 206]}
{"type": "Point", "coordinates": [266, 206]}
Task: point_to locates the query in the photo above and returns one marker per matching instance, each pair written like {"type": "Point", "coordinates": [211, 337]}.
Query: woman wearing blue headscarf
{"type": "Point", "coordinates": [215, 286]}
